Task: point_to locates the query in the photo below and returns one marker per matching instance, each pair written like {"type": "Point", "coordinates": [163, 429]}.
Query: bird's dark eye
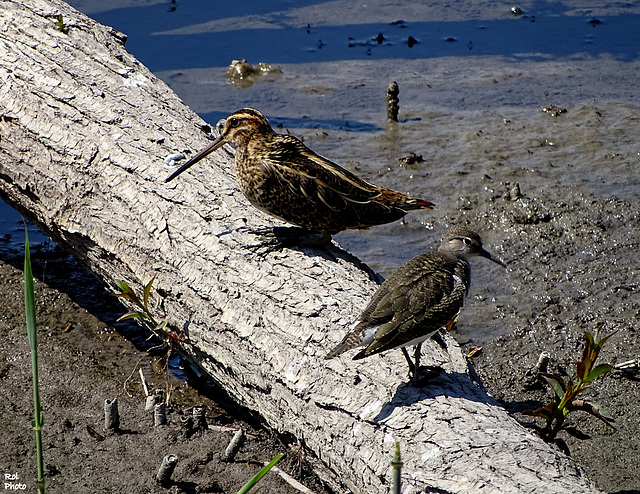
{"type": "Point", "coordinates": [466, 240]}
{"type": "Point", "coordinates": [233, 122]}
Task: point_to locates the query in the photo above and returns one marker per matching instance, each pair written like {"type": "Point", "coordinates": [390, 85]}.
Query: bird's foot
{"type": "Point", "coordinates": [420, 375]}
{"type": "Point", "coordinates": [425, 375]}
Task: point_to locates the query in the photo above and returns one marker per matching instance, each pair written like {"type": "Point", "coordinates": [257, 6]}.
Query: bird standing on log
{"type": "Point", "coordinates": [284, 178]}
{"type": "Point", "coordinates": [423, 295]}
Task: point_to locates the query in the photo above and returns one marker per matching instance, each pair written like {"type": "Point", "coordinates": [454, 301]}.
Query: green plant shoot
{"type": "Point", "coordinates": [396, 464]}
{"type": "Point", "coordinates": [565, 394]}
{"type": "Point", "coordinates": [249, 485]}
{"type": "Point", "coordinates": [144, 312]}
{"type": "Point", "coordinates": [30, 313]}
{"type": "Point", "coordinates": [60, 25]}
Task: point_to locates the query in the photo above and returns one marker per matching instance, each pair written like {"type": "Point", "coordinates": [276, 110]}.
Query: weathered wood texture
{"type": "Point", "coordinates": [84, 128]}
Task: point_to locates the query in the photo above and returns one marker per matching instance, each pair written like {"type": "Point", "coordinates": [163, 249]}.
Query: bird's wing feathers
{"type": "Point", "coordinates": [318, 177]}
{"type": "Point", "coordinates": [418, 298]}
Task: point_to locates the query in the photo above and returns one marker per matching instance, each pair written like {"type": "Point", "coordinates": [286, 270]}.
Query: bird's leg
{"type": "Point", "coordinates": [439, 339]}
{"type": "Point", "coordinates": [412, 369]}
{"type": "Point", "coordinates": [414, 364]}
{"type": "Point", "coordinates": [417, 363]}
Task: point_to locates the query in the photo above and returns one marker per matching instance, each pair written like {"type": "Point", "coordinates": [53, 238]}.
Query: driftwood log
{"type": "Point", "coordinates": [84, 130]}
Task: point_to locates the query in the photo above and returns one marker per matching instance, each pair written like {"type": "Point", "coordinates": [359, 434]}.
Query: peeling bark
{"type": "Point", "coordinates": [84, 129]}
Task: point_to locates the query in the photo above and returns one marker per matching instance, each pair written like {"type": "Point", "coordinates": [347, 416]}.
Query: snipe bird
{"type": "Point", "coordinates": [284, 178]}
{"type": "Point", "coordinates": [423, 295]}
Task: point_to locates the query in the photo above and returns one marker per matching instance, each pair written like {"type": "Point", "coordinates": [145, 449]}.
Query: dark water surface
{"type": "Point", "coordinates": [195, 35]}
{"type": "Point", "coordinates": [12, 231]}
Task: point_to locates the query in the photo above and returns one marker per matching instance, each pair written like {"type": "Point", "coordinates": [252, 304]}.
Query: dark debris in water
{"type": "Point", "coordinates": [512, 192]}
{"type": "Point", "coordinates": [243, 73]}
{"type": "Point", "coordinates": [410, 159]}
{"type": "Point", "coordinates": [400, 23]}
{"type": "Point", "coordinates": [553, 110]}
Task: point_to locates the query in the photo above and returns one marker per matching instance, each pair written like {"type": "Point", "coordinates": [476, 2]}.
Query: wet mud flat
{"type": "Point", "coordinates": [572, 269]}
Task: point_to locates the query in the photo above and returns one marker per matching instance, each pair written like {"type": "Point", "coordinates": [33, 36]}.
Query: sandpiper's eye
{"type": "Point", "coordinates": [466, 240]}
{"type": "Point", "coordinates": [233, 122]}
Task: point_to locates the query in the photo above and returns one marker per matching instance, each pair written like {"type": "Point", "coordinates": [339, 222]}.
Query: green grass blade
{"type": "Point", "coordinates": [247, 487]}
{"type": "Point", "coordinates": [29, 302]}
{"type": "Point", "coordinates": [396, 464]}
{"type": "Point", "coordinates": [30, 314]}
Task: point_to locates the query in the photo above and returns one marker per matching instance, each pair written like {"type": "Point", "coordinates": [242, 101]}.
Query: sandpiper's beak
{"type": "Point", "coordinates": [488, 255]}
{"type": "Point", "coordinates": [216, 144]}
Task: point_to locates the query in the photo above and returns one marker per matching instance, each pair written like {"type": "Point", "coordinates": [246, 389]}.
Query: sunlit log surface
{"type": "Point", "coordinates": [84, 130]}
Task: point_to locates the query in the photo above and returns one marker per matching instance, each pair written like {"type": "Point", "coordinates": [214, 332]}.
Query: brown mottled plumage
{"type": "Point", "coordinates": [423, 295]}
{"type": "Point", "coordinates": [282, 177]}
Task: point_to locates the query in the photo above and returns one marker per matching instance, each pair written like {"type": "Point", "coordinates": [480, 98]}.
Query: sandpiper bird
{"type": "Point", "coordinates": [284, 178]}
{"type": "Point", "coordinates": [423, 295]}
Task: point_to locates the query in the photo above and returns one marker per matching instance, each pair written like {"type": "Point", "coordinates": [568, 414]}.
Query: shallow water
{"type": "Point", "coordinates": [12, 232]}
{"type": "Point", "coordinates": [471, 90]}
{"type": "Point", "coordinates": [203, 34]}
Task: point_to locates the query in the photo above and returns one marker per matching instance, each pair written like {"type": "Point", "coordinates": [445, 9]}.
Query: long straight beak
{"type": "Point", "coordinates": [216, 144]}
{"type": "Point", "coordinates": [488, 255]}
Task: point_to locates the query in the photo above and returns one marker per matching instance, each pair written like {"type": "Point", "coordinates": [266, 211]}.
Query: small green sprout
{"type": "Point", "coordinates": [565, 394]}
{"type": "Point", "coordinates": [143, 311]}
{"type": "Point", "coordinates": [396, 465]}
{"type": "Point", "coordinates": [61, 25]}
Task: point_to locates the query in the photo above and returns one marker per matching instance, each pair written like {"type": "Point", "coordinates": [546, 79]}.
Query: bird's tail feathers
{"type": "Point", "coordinates": [420, 204]}
{"type": "Point", "coordinates": [357, 336]}
{"type": "Point", "coordinates": [341, 348]}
